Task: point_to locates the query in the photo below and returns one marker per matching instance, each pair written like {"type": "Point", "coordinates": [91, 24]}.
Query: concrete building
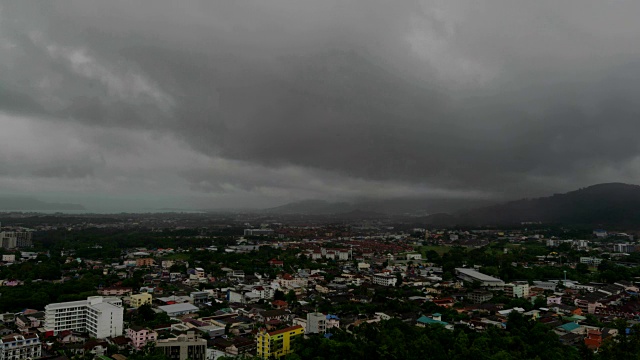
{"type": "Point", "coordinates": [100, 317]}
{"type": "Point", "coordinates": [316, 323]}
{"type": "Point", "coordinates": [517, 289]}
{"type": "Point", "coordinates": [144, 262]}
{"type": "Point", "coordinates": [471, 275]}
{"type": "Point", "coordinates": [277, 343]}
{"type": "Point", "coordinates": [20, 347]}
{"type": "Point", "coordinates": [187, 346]}
{"type": "Point", "coordinates": [138, 300]}
{"type": "Point", "coordinates": [384, 279]}
{"type": "Point", "coordinates": [140, 336]}
{"type": "Point", "coordinates": [478, 297]}
{"type": "Point", "coordinates": [199, 297]}
{"type": "Point", "coordinates": [8, 258]}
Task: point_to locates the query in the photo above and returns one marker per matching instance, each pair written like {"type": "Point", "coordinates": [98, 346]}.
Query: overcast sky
{"type": "Point", "coordinates": [126, 104]}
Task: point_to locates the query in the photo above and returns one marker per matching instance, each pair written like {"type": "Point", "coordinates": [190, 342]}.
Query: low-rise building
{"type": "Point", "coordinates": [140, 336]}
{"type": "Point", "coordinates": [138, 300]}
{"type": "Point", "coordinates": [187, 346]}
{"type": "Point", "coordinates": [384, 279]}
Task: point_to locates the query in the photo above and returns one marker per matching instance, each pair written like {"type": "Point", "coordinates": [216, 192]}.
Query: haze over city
{"type": "Point", "coordinates": [120, 105]}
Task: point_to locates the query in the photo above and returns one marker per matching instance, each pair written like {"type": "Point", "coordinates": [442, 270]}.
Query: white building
{"type": "Point", "coordinates": [8, 258]}
{"type": "Point", "coordinates": [517, 289]}
{"type": "Point", "coordinates": [471, 275]}
{"type": "Point", "coordinates": [100, 317]}
{"type": "Point", "coordinates": [20, 347]}
{"type": "Point", "coordinates": [316, 323]}
{"type": "Point", "coordinates": [384, 279]}
{"type": "Point", "coordinates": [590, 260]}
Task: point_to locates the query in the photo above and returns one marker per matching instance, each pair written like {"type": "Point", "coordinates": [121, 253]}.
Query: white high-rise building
{"type": "Point", "coordinates": [98, 316]}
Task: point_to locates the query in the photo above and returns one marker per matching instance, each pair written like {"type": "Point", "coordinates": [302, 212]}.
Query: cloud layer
{"type": "Point", "coordinates": [256, 103]}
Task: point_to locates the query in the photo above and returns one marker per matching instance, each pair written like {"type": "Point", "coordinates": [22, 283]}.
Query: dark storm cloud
{"type": "Point", "coordinates": [506, 98]}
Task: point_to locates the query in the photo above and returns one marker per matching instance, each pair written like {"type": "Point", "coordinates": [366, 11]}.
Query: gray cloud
{"type": "Point", "coordinates": [265, 102]}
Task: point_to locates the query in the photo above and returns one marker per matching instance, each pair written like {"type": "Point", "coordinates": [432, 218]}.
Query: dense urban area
{"type": "Point", "coordinates": [210, 286]}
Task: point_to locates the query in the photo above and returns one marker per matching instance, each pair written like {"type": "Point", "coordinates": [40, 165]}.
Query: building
{"type": "Point", "coordinates": [517, 289]}
{"type": "Point", "coordinates": [478, 297]}
{"type": "Point", "coordinates": [115, 291]}
{"type": "Point", "coordinates": [471, 275]}
{"type": "Point", "coordinates": [187, 346]}
{"type": "Point", "coordinates": [593, 261]}
{"type": "Point", "coordinates": [625, 248]}
{"type": "Point", "coordinates": [178, 309]}
{"type": "Point", "coordinates": [384, 279]}
{"type": "Point", "coordinates": [16, 239]}
{"type": "Point", "coordinates": [144, 262]}
{"type": "Point", "coordinates": [277, 343]}
{"type": "Point", "coordinates": [8, 258]}
{"type": "Point", "coordinates": [316, 323]}
{"type": "Point", "coordinates": [100, 317]}
{"type": "Point", "coordinates": [140, 336]}
{"type": "Point", "coordinates": [199, 297]}
{"type": "Point", "coordinates": [20, 347]}
{"type": "Point", "coordinates": [138, 300]}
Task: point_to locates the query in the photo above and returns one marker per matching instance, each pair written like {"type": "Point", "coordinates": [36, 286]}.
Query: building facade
{"type": "Point", "coordinates": [138, 300]}
{"type": "Point", "coordinates": [140, 336]}
{"type": "Point", "coordinates": [384, 279]}
{"type": "Point", "coordinates": [100, 317]}
{"type": "Point", "coordinates": [187, 346]}
{"type": "Point", "coordinates": [277, 343]}
{"type": "Point", "coordinates": [316, 323]}
{"type": "Point", "coordinates": [20, 347]}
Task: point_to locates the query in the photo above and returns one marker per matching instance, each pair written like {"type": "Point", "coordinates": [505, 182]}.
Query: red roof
{"type": "Point", "coordinates": [282, 331]}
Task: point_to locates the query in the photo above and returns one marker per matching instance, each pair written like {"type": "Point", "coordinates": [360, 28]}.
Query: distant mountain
{"type": "Point", "coordinates": [603, 204]}
{"type": "Point", "coordinates": [377, 207]}
{"type": "Point", "coordinates": [21, 203]}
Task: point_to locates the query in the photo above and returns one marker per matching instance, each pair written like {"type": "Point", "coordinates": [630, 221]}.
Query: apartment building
{"type": "Point", "coordinates": [144, 262]}
{"type": "Point", "coordinates": [20, 347]}
{"type": "Point", "coordinates": [517, 289]}
{"type": "Point", "coordinates": [277, 343]}
{"type": "Point", "coordinates": [186, 346]}
{"type": "Point", "coordinates": [138, 300]}
{"type": "Point", "coordinates": [100, 317]}
{"type": "Point", "coordinates": [316, 323]}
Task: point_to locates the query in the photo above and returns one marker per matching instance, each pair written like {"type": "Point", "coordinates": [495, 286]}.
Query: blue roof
{"type": "Point", "coordinates": [332, 317]}
{"type": "Point", "coordinates": [436, 314]}
{"type": "Point", "coordinates": [426, 320]}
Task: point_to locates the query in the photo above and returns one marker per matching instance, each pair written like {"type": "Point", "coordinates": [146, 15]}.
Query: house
{"type": "Point", "coordinates": [275, 263]}
{"type": "Point", "coordinates": [279, 304]}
